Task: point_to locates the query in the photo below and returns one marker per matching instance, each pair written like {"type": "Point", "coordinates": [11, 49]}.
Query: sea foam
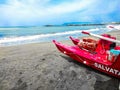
{"type": "Point", "coordinates": [7, 41]}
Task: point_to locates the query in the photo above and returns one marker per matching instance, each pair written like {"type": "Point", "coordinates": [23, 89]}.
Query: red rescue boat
{"type": "Point", "coordinates": [99, 59]}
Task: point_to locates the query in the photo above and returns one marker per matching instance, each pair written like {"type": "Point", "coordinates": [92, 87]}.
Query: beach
{"type": "Point", "coordinates": [40, 66]}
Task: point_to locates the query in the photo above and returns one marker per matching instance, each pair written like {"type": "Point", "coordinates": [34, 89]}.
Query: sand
{"type": "Point", "coordinates": [41, 66]}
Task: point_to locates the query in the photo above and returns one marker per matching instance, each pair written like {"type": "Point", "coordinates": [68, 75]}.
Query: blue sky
{"type": "Point", "coordinates": [41, 12]}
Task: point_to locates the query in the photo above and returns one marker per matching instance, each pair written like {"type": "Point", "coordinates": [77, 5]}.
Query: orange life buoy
{"type": "Point", "coordinates": [88, 43]}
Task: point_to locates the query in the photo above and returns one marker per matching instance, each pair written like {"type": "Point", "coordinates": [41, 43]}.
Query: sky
{"type": "Point", "coordinates": [42, 12]}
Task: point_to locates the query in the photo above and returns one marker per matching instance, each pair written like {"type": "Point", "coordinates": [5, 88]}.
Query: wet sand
{"type": "Point", "coordinates": [42, 67]}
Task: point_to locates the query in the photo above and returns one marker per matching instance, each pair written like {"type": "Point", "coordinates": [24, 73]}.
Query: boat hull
{"type": "Point", "coordinates": [88, 59]}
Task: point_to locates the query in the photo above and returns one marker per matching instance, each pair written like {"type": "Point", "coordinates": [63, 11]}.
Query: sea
{"type": "Point", "coordinates": [18, 35]}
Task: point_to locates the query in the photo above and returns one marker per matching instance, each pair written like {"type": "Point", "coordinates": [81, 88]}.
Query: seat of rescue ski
{"type": "Point", "coordinates": [88, 44]}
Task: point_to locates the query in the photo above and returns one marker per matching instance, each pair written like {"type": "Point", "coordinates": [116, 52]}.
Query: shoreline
{"type": "Point", "coordinates": [40, 66]}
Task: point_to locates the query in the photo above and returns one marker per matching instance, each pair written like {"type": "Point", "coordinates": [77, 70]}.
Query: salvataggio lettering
{"type": "Point", "coordinates": [108, 69]}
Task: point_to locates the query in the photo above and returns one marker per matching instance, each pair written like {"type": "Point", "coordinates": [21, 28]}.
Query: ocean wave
{"type": "Point", "coordinates": [42, 37]}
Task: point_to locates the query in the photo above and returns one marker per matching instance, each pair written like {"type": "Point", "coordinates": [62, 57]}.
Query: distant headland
{"type": "Point", "coordinates": [82, 24]}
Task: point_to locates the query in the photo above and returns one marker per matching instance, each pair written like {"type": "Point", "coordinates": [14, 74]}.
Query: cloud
{"type": "Point", "coordinates": [37, 12]}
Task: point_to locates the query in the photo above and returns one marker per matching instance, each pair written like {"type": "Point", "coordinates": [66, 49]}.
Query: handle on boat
{"type": "Point", "coordinates": [84, 32]}
{"type": "Point", "coordinates": [112, 27]}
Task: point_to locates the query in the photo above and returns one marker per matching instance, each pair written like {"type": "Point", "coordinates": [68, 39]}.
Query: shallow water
{"type": "Point", "coordinates": [22, 35]}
